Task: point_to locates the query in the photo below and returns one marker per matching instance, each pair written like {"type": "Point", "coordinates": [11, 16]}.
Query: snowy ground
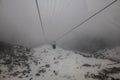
{"type": "Point", "coordinates": [113, 54]}
{"type": "Point", "coordinates": [59, 64]}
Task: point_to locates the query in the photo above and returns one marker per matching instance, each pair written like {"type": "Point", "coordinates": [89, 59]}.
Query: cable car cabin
{"type": "Point", "coordinates": [54, 46]}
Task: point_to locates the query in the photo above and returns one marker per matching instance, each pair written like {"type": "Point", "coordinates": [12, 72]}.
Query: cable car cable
{"type": "Point", "coordinates": [40, 19]}
{"type": "Point", "coordinates": [85, 20]}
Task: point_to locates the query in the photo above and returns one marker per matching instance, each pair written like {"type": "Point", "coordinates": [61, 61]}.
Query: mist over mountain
{"type": "Point", "coordinates": [19, 23]}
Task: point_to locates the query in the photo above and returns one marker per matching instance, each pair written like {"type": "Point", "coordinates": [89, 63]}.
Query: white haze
{"type": "Point", "coordinates": [20, 23]}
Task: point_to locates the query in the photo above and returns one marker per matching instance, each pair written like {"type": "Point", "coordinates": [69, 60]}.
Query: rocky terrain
{"type": "Point", "coordinates": [44, 63]}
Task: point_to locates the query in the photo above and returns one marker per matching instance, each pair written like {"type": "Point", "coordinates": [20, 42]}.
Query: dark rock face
{"type": "Point", "coordinates": [17, 60]}
{"type": "Point", "coordinates": [105, 74]}
{"type": "Point", "coordinates": [55, 72]}
{"type": "Point", "coordinates": [13, 57]}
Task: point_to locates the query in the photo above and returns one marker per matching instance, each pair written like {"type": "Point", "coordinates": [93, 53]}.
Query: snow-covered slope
{"type": "Point", "coordinates": [113, 54]}
{"type": "Point", "coordinates": [59, 64]}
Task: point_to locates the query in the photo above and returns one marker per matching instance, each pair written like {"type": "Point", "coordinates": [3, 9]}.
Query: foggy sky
{"type": "Point", "coordinates": [20, 23]}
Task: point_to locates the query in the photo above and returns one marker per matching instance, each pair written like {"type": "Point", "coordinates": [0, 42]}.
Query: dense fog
{"type": "Point", "coordinates": [19, 23]}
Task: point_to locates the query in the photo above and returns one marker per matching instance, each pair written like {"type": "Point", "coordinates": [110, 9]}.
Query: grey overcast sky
{"type": "Point", "coordinates": [20, 22]}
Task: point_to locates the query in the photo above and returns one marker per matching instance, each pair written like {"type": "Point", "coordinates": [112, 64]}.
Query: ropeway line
{"type": "Point", "coordinates": [85, 21]}
{"type": "Point", "coordinates": [40, 19]}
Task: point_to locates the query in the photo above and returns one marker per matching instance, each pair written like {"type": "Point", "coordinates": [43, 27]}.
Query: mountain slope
{"type": "Point", "coordinates": [58, 64]}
